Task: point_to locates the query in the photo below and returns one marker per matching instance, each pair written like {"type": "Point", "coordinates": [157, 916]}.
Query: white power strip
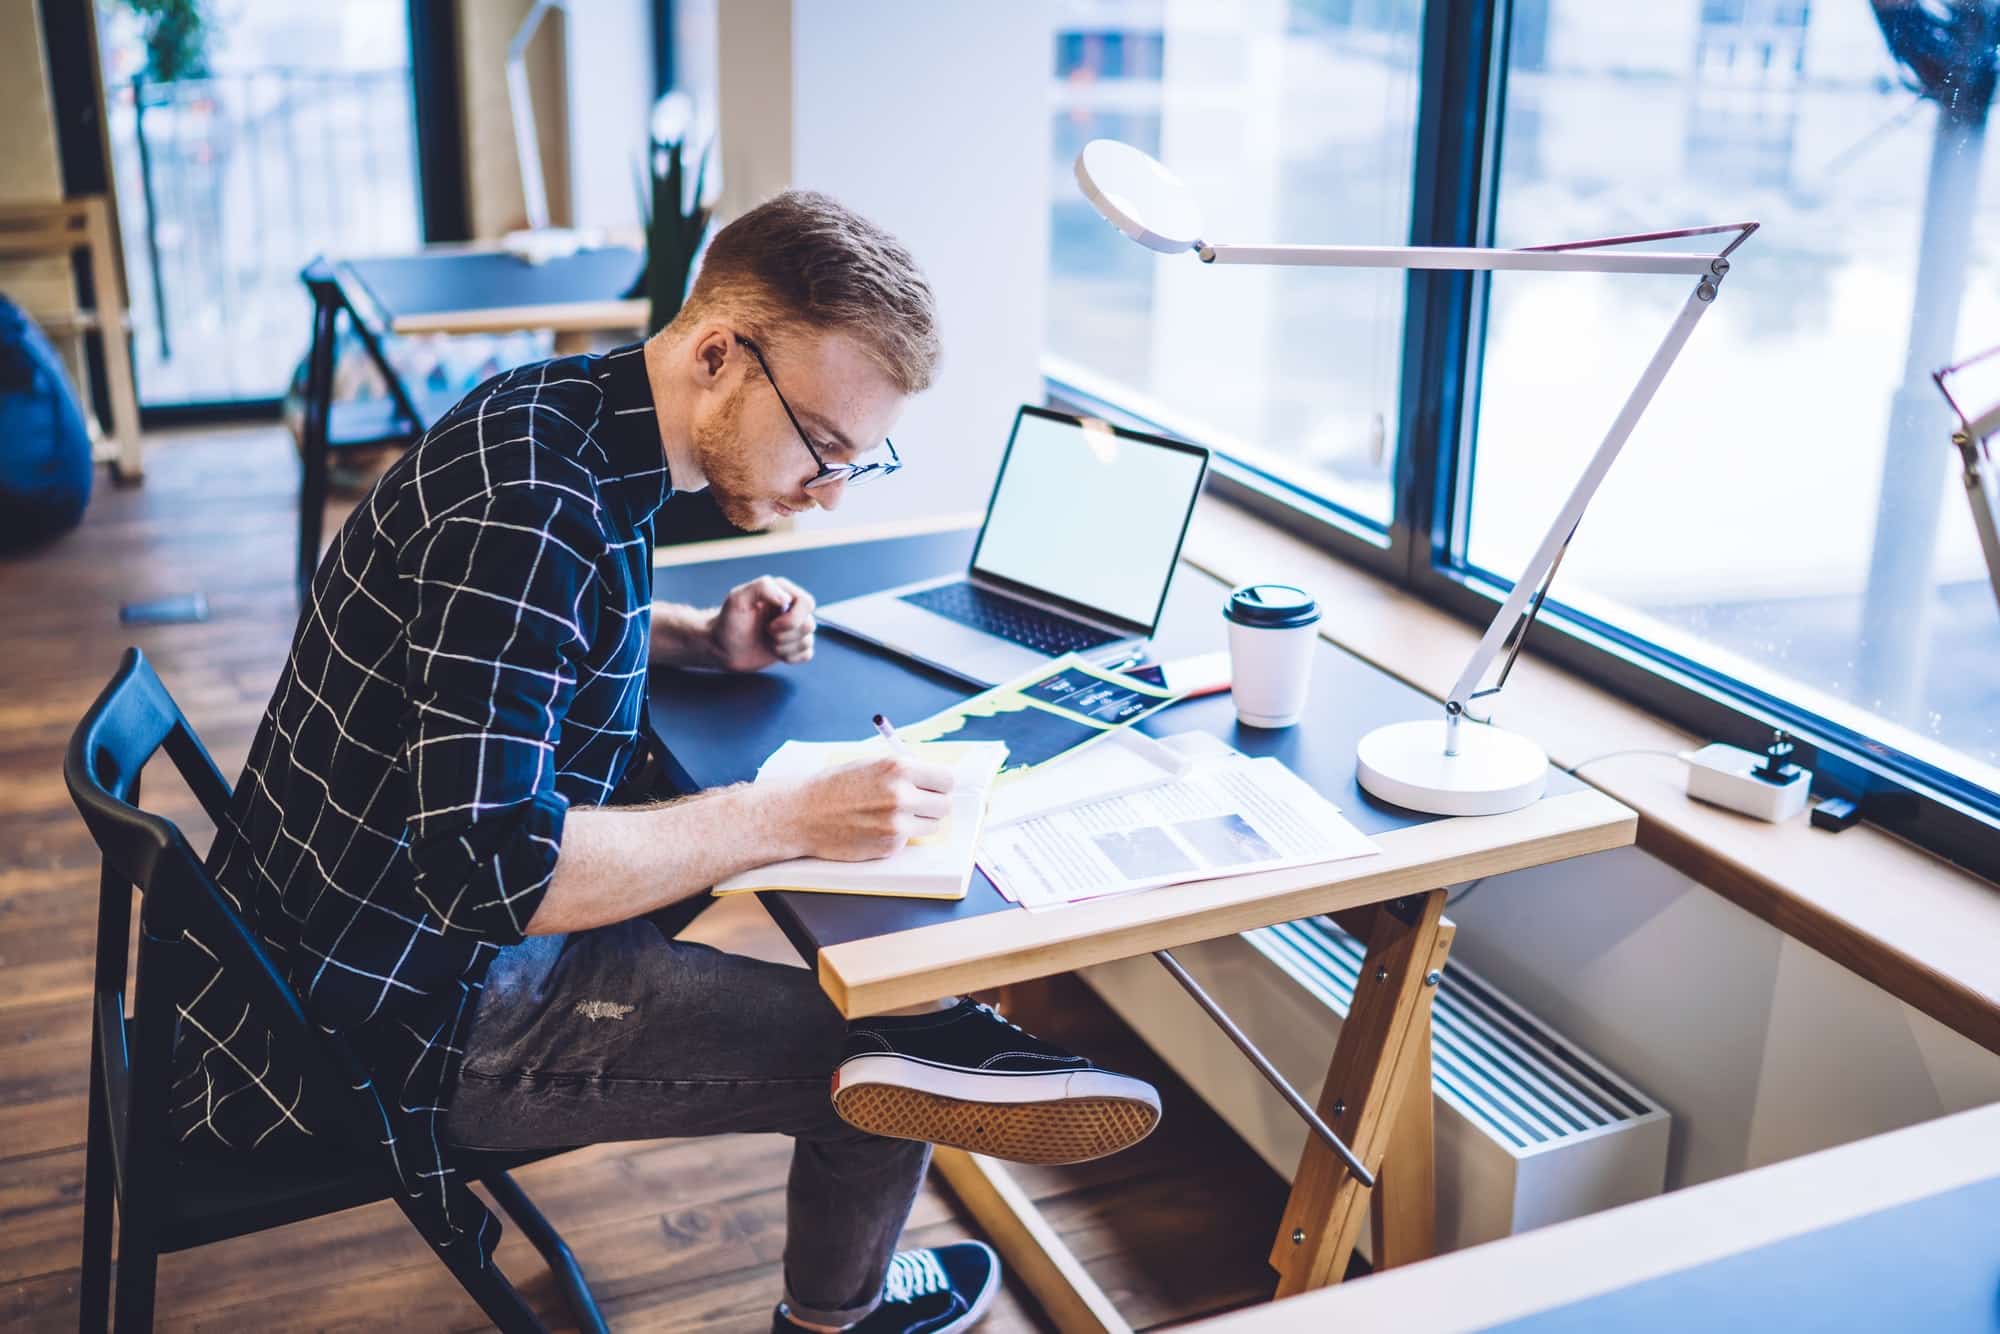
{"type": "Point", "coordinates": [1729, 776]}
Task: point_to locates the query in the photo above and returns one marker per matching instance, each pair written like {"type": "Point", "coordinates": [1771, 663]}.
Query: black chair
{"type": "Point", "coordinates": [325, 426]}
{"type": "Point", "coordinates": [166, 1203]}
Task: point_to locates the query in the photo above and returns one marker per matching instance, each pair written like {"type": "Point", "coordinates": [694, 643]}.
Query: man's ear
{"type": "Point", "coordinates": [711, 349]}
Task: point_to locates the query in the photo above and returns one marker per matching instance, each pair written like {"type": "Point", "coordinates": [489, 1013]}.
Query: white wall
{"type": "Point", "coordinates": [932, 120]}
{"type": "Point", "coordinates": [1761, 1047]}
{"type": "Point", "coordinates": [30, 172]}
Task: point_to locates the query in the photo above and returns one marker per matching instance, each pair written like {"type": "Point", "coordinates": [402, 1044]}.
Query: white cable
{"type": "Point", "coordinates": [1614, 754]}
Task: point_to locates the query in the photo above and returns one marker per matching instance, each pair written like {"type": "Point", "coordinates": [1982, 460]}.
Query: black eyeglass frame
{"type": "Point", "coordinates": [853, 474]}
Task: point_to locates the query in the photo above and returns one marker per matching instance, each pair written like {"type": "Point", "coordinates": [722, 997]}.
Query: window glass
{"type": "Point", "coordinates": [244, 141]}
{"type": "Point", "coordinates": [1788, 510]}
{"type": "Point", "coordinates": [1293, 123]}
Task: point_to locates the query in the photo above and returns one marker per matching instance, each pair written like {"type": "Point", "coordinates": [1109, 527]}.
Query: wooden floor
{"type": "Point", "coordinates": [675, 1235]}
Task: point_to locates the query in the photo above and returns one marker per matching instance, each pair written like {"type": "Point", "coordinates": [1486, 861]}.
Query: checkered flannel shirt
{"type": "Point", "coordinates": [471, 663]}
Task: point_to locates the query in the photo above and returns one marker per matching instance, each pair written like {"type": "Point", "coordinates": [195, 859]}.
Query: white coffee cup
{"type": "Point", "coordinates": [1272, 631]}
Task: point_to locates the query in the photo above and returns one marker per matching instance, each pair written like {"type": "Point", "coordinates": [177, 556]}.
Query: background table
{"type": "Point", "coordinates": [441, 290]}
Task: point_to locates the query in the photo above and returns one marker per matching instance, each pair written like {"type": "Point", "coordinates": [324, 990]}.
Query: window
{"type": "Point", "coordinates": [1293, 121]}
{"type": "Point", "coordinates": [1787, 513]}
{"type": "Point", "coordinates": [1783, 538]}
{"type": "Point", "coordinates": [277, 131]}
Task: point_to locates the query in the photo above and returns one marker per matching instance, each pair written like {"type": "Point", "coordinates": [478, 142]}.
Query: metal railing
{"type": "Point", "coordinates": [228, 186]}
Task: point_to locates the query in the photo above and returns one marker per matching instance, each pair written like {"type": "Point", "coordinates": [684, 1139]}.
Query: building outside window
{"type": "Point", "coordinates": [1786, 512]}
{"type": "Point", "coordinates": [1294, 121]}
{"type": "Point", "coordinates": [1786, 515]}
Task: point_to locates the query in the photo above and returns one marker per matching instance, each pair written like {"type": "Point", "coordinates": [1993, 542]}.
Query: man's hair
{"type": "Point", "coordinates": [804, 262]}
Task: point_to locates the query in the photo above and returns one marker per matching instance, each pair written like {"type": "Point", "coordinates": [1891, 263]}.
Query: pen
{"type": "Point", "coordinates": [889, 735]}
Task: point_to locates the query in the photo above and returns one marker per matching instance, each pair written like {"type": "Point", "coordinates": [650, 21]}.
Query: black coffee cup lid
{"type": "Point", "coordinates": [1271, 606]}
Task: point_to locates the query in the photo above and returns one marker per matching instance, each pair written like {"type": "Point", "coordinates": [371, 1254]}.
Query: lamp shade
{"type": "Point", "coordinates": [1138, 196]}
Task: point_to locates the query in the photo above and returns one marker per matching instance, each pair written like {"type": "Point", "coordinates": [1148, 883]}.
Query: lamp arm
{"type": "Point", "coordinates": [1510, 624]}
{"type": "Point", "coordinates": [1982, 479]}
{"type": "Point", "coordinates": [521, 103]}
{"type": "Point", "coordinates": [1459, 258]}
{"type": "Point", "coordinates": [1982, 488]}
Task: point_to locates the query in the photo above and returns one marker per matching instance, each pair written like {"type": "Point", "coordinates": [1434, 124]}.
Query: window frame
{"type": "Point", "coordinates": [1460, 110]}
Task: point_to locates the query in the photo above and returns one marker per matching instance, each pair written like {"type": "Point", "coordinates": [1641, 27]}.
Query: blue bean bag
{"type": "Point", "coordinates": [45, 465]}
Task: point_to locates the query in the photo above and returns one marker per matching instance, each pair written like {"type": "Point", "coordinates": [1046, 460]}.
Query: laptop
{"type": "Point", "coordinates": [1075, 556]}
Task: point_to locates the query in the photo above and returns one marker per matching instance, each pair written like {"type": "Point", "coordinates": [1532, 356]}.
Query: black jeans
{"type": "Point", "coordinates": [624, 1033]}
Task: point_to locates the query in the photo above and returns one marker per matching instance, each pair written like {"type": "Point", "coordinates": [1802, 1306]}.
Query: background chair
{"type": "Point", "coordinates": [165, 1203]}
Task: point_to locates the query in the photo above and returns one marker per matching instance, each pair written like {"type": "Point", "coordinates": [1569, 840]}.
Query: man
{"type": "Point", "coordinates": [445, 836]}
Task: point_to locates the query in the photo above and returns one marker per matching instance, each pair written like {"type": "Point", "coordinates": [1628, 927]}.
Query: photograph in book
{"type": "Point", "coordinates": [1225, 840]}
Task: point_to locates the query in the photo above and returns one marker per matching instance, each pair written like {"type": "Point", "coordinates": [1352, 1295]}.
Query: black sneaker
{"type": "Point", "coordinates": [937, 1291]}
{"type": "Point", "coordinates": [968, 1078]}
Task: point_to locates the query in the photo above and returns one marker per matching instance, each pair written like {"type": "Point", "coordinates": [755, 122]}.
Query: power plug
{"type": "Point", "coordinates": [1768, 786]}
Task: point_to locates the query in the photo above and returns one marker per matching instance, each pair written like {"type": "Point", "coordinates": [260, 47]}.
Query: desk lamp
{"type": "Point", "coordinates": [1982, 478]}
{"type": "Point", "coordinates": [538, 242]}
{"type": "Point", "coordinates": [1439, 765]}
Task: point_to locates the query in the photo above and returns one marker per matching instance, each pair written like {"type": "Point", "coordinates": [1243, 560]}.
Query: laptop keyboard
{"type": "Point", "coordinates": [1020, 622]}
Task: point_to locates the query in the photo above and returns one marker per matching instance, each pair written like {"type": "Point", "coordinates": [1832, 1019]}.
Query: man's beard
{"type": "Point", "coordinates": [719, 450]}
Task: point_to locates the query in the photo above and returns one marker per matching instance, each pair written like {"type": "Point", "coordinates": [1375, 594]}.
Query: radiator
{"type": "Point", "coordinates": [1530, 1130]}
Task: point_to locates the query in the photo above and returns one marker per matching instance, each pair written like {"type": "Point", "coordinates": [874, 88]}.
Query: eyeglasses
{"type": "Point", "coordinates": [853, 474]}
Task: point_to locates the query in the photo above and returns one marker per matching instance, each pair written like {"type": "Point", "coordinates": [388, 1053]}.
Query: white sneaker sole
{"type": "Point", "coordinates": [1067, 1116]}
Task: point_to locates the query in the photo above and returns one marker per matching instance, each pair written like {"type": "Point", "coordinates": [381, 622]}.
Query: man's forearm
{"type": "Point", "coordinates": [683, 636]}
{"type": "Point", "coordinates": [618, 863]}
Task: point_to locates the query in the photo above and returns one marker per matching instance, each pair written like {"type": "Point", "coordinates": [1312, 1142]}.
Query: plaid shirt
{"type": "Point", "coordinates": [472, 662]}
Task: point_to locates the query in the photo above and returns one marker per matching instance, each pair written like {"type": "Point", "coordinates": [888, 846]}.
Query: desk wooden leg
{"type": "Point", "coordinates": [1366, 1084]}
{"type": "Point", "coordinates": [1404, 1207]}
{"type": "Point", "coordinates": [1029, 1246]}
{"type": "Point", "coordinates": [116, 340]}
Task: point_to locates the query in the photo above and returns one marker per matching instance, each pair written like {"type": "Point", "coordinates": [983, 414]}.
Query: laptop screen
{"type": "Point", "coordinates": [1090, 514]}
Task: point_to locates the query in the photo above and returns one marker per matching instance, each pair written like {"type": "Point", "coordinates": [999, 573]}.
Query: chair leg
{"type": "Point", "coordinates": [498, 1298]}
{"type": "Point", "coordinates": [555, 1251]}
{"type": "Point", "coordinates": [94, 1278]}
{"type": "Point", "coordinates": [138, 1267]}
{"type": "Point", "coordinates": [313, 437]}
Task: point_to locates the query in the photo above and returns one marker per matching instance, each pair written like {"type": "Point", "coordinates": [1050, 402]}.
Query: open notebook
{"type": "Point", "coordinates": [937, 866]}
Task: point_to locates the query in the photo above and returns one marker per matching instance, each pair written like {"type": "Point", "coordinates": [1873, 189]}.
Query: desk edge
{"type": "Point", "coordinates": [910, 967]}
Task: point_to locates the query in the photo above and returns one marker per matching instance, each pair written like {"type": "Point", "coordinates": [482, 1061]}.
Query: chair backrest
{"type": "Point", "coordinates": [134, 719]}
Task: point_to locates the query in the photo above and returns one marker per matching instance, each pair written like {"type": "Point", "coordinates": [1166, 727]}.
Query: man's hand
{"type": "Point", "coordinates": [865, 810]}
{"type": "Point", "coordinates": [764, 621]}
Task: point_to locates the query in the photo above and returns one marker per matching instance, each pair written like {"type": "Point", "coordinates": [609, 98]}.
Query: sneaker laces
{"type": "Point", "coordinates": [992, 1013]}
{"type": "Point", "coordinates": [914, 1274]}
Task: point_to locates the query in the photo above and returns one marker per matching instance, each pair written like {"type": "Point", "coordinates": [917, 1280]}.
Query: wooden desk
{"type": "Point", "coordinates": [875, 954]}
{"type": "Point", "coordinates": [1891, 1232]}
{"type": "Point", "coordinates": [442, 290]}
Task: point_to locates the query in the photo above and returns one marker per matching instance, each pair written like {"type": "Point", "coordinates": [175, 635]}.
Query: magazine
{"type": "Point", "coordinates": [1227, 816]}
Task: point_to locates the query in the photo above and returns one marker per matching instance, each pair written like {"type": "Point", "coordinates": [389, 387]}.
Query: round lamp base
{"type": "Point", "coordinates": [1494, 771]}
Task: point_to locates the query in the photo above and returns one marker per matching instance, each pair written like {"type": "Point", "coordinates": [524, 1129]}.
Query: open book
{"type": "Point", "coordinates": [936, 866]}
